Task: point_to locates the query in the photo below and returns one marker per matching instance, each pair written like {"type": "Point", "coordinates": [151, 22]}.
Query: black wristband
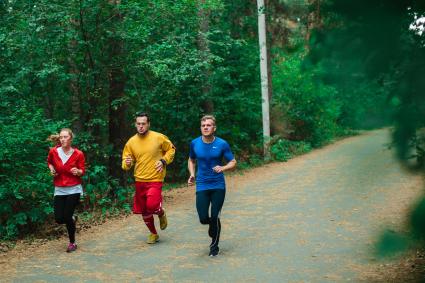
{"type": "Point", "coordinates": [163, 162]}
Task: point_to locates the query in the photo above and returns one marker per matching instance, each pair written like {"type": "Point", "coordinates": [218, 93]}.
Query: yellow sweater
{"type": "Point", "coordinates": [146, 151]}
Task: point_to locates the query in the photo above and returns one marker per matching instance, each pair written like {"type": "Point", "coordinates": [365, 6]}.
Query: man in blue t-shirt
{"type": "Point", "coordinates": [208, 151]}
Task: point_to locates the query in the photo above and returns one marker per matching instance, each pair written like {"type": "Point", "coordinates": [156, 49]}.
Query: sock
{"type": "Point", "coordinates": [160, 212]}
{"type": "Point", "coordinates": [150, 222]}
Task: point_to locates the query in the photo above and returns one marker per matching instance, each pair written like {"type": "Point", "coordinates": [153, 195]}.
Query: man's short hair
{"type": "Point", "coordinates": [208, 117]}
{"type": "Point", "coordinates": [142, 114]}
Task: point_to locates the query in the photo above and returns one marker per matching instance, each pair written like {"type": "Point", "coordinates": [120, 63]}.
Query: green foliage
{"type": "Point", "coordinates": [25, 182]}
{"type": "Point", "coordinates": [283, 150]}
{"type": "Point", "coordinates": [417, 221]}
{"type": "Point", "coordinates": [391, 243]}
{"type": "Point", "coordinates": [369, 50]}
{"type": "Point", "coordinates": [311, 107]}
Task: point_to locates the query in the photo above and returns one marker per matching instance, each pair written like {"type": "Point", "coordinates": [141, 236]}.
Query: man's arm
{"type": "Point", "coordinates": [169, 151]}
{"type": "Point", "coordinates": [127, 158]}
{"type": "Point", "coordinates": [228, 155]}
{"type": "Point", "coordinates": [191, 165]}
{"type": "Point", "coordinates": [229, 166]}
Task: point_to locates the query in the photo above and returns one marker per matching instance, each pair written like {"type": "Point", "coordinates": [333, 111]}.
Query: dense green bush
{"type": "Point", "coordinates": [25, 182]}
{"type": "Point", "coordinates": [311, 107]}
{"type": "Point", "coordinates": [283, 150]}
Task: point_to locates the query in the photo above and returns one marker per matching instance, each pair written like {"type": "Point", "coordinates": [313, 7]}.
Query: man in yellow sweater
{"type": "Point", "coordinates": [150, 152]}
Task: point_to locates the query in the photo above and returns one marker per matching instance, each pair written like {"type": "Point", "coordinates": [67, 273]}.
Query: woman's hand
{"type": "Point", "coordinates": [76, 172]}
{"type": "Point", "coordinates": [52, 170]}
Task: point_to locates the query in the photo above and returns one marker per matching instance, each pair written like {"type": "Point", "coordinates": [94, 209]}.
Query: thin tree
{"type": "Point", "coordinates": [264, 77]}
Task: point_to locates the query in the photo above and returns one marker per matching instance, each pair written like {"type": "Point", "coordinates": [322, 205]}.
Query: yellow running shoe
{"type": "Point", "coordinates": [152, 238]}
{"type": "Point", "coordinates": [163, 221]}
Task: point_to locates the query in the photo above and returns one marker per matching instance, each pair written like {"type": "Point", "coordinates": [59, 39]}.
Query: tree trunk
{"type": "Point", "coordinates": [207, 104]}
{"type": "Point", "coordinates": [117, 106]}
{"type": "Point", "coordinates": [269, 60]}
{"type": "Point", "coordinates": [74, 87]}
{"type": "Point", "coordinates": [264, 74]}
{"type": "Point", "coordinates": [313, 21]}
{"type": "Point", "coordinates": [89, 91]}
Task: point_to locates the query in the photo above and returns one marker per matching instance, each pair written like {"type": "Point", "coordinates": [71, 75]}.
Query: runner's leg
{"type": "Point", "coordinates": [217, 200]}
{"type": "Point", "coordinates": [140, 205]}
{"type": "Point", "coordinates": [153, 203]}
{"type": "Point", "coordinates": [71, 203]}
{"type": "Point", "coordinates": [203, 200]}
{"type": "Point", "coordinates": [154, 198]}
{"type": "Point", "coordinates": [59, 209]}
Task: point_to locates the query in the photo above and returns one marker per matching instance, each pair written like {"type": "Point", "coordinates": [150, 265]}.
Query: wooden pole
{"type": "Point", "coordinates": [264, 79]}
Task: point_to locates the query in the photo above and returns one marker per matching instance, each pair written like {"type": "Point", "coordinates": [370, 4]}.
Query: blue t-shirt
{"type": "Point", "coordinates": [209, 155]}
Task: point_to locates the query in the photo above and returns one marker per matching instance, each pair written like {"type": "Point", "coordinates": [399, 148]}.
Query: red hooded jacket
{"type": "Point", "coordinates": [64, 177]}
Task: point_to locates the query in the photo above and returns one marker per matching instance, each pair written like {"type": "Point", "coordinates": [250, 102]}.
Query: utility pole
{"type": "Point", "coordinates": [264, 79]}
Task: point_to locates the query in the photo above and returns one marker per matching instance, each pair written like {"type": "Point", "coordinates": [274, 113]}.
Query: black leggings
{"type": "Point", "coordinates": [64, 207]}
{"type": "Point", "coordinates": [215, 197]}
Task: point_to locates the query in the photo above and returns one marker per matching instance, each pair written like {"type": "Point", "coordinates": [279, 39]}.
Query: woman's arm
{"type": "Point", "coordinates": [80, 169]}
{"type": "Point", "coordinates": [50, 163]}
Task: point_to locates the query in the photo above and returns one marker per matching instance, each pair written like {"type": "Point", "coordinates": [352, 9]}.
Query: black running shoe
{"type": "Point", "coordinates": [214, 252]}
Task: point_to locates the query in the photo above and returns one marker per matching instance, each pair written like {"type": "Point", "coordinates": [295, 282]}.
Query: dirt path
{"type": "Point", "coordinates": [312, 219]}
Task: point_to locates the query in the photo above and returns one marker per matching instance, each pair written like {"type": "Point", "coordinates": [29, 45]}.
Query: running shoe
{"type": "Point", "coordinates": [71, 247]}
{"type": "Point", "coordinates": [163, 221]}
{"type": "Point", "coordinates": [214, 252]}
{"type": "Point", "coordinates": [152, 238]}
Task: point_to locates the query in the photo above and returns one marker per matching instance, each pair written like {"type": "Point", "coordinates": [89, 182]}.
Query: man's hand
{"type": "Point", "coordinates": [218, 169]}
{"type": "Point", "coordinates": [159, 166]}
{"type": "Point", "coordinates": [128, 161]}
{"type": "Point", "coordinates": [191, 180]}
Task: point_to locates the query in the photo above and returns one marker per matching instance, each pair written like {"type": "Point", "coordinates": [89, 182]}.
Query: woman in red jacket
{"type": "Point", "coordinates": [66, 164]}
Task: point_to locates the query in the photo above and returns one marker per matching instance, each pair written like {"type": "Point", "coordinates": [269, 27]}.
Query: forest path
{"type": "Point", "coordinates": [312, 219]}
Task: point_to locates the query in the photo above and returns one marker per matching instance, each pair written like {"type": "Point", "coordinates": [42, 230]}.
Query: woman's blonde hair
{"type": "Point", "coordinates": [56, 137]}
{"type": "Point", "coordinates": [70, 132]}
